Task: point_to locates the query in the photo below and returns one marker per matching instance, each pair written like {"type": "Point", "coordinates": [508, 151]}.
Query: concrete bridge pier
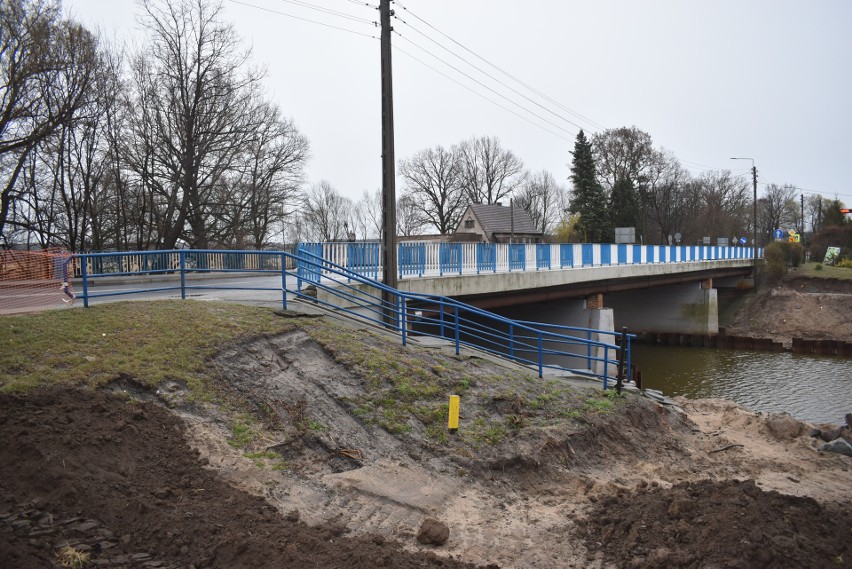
{"type": "Point", "coordinates": [600, 318]}
{"type": "Point", "coordinates": [687, 308]}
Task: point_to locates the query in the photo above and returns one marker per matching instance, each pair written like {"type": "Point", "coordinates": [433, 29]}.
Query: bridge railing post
{"type": "Point", "coordinates": [182, 261]}
{"type": "Point", "coordinates": [402, 318]}
{"type": "Point", "coordinates": [457, 330]}
{"type": "Point", "coordinates": [85, 276]}
{"type": "Point", "coordinates": [540, 357]}
{"type": "Point", "coordinates": [283, 281]}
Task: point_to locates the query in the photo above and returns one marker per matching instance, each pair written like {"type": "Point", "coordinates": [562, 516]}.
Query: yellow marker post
{"type": "Point", "coordinates": [453, 421]}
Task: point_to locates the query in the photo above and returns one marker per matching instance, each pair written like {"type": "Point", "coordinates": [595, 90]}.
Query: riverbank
{"type": "Point", "coordinates": [176, 433]}
{"type": "Point", "coordinates": [805, 305]}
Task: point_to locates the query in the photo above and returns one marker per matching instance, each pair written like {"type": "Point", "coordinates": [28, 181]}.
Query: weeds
{"type": "Point", "coordinates": [242, 434]}
{"type": "Point", "coordinates": [71, 557]}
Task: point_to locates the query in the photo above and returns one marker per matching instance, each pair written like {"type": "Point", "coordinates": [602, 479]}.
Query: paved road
{"type": "Point", "coordinates": [250, 289]}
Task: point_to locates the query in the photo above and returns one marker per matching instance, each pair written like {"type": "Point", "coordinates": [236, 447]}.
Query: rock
{"type": "Point", "coordinates": [829, 435]}
{"type": "Point", "coordinates": [783, 426]}
{"type": "Point", "coordinates": [839, 446]}
{"type": "Point", "coordinates": [814, 433]}
{"type": "Point", "coordinates": [849, 420]}
{"type": "Point", "coordinates": [433, 532]}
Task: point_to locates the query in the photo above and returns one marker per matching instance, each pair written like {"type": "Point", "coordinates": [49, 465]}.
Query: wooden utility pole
{"type": "Point", "coordinates": [389, 261]}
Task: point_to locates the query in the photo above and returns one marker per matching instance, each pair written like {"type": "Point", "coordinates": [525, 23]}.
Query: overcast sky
{"type": "Point", "coordinates": [708, 80]}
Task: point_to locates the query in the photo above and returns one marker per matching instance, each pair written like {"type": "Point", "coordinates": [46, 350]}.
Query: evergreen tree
{"type": "Point", "coordinates": [624, 204]}
{"type": "Point", "coordinates": [588, 199]}
{"type": "Point", "coordinates": [831, 214]}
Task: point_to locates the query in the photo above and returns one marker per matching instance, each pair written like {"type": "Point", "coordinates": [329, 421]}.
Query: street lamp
{"type": "Point", "coordinates": [754, 214]}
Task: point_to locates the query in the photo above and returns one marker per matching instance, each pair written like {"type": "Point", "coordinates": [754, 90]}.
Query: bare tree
{"type": "Point", "coordinates": [408, 216]}
{"type": "Point", "coordinates": [622, 154]}
{"type": "Point", "coordinates": [433, 182]}
{"type": "Point", "coordinates": [813, 211]}
{"type": "Point", "coordinates": [725, 204]}
{"type": "Point", "coordinates": [776, 209]}
{"type": "Point", "coordinates": [490, 173]}
{"type": "Point", "coordinates": [325, 213]}
{"type": "Point", "coordinates": [267, 186]}
{"type": "Point", "coordinates": [543, 199]}
{"type": "Point", "coordinates": [672, 207]}
{"type": "Point", "coordinates": [624, 158]}
{"type": "Point", "coordinates": [196, 108]}
{"type": "Point", "coordinates": [366, 218]}
{"type": "Point", "coordinates": [47, 66]}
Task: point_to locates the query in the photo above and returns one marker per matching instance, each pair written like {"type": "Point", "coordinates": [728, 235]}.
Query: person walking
{"type": "Point", "coordinates": [67, 269]}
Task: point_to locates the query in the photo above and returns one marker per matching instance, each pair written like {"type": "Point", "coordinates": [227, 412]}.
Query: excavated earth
{"type": "Point", "coordinates": [799, 307]}
{"type": "Point", "coordinates": [135, 477]}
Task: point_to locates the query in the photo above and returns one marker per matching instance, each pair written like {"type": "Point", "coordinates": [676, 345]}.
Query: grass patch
{"type": "Point", "coordinates": [403, 390]}
{"type": "Point", "coordinates": [603, 401]}
{"type": "Point", "coordinates": [242, 433]}
{"type": "Point", "coordinates": [821, 271]}
{"type": "Point", "coordinates": [149, 341]}
{"type": "Point", "coordinates": [267, 459]}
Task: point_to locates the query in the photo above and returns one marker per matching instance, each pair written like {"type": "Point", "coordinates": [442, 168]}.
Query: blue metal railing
{"type": "Point", "coordinates": [542, 346]}
{"type": "Point", "coordinates": [171, 269]}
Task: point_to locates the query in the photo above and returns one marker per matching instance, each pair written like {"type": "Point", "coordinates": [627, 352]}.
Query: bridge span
{"type": "Point", "coordinates": [647, 288]}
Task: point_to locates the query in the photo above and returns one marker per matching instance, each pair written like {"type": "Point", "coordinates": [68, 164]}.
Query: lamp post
{"type": "Point", "coordinates": [754, 209]}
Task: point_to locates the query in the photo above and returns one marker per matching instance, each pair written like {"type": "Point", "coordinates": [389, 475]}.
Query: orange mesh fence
{"type": "Point", "coordinates": [32, 280]}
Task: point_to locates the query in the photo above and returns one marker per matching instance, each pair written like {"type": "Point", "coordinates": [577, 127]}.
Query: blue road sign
{"type": "Point", "coordinates": [778, 234]}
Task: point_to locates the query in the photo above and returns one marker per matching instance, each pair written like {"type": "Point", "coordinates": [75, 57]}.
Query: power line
{"type": "Point", "coordinates": [271, 11]}
{"type": "Point", "coordinates": [506, 73]}
{"type": "Point", "coordinates": [451, 52]}
{"type": "Point", "coordinates": [492, 101]}
{"type": "Point", "coordinates": [480, 83]}
{"type": "Point", "coordinates": [331, 12]}
{"type": "Point", "coordinates": [363, 4]}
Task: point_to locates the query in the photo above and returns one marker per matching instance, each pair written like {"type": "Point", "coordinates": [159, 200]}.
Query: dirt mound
{"type": "Point", "coordinates": [116, 480]}
{"type": "Point", "coordinates": [729, 524]}
{"type": "Point", "coordinates": [800, 307]}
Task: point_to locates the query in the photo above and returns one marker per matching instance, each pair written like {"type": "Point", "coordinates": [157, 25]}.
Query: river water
{"type": "Point", "coordinates": [812, 388]}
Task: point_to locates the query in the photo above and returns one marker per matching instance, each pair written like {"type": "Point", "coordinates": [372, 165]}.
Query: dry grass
{"type": "Point", "coordinates": [73, 558]}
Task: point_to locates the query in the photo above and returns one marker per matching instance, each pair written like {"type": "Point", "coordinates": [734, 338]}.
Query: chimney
{"type": "Point", "coordinates": [498, 204]}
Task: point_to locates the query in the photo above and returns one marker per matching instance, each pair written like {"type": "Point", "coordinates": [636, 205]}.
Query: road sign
{"type": "Point", "coordinates": [778, 234]}
{"type": "Point", "coordinates": [743, 240]}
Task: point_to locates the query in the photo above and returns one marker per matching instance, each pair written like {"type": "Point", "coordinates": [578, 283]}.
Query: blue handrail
{"type": "Point", "coordinates": [350, 286]}
{"type": "Point", "coordinates": [429, 315]}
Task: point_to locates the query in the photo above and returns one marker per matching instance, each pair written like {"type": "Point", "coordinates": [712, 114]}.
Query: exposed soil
{"type": "Point", "coordinates": [799, 307]}
{"type": "Point", "coordinates": [117, 479]}
{"type": "Point", "coordinates": [142, 478]}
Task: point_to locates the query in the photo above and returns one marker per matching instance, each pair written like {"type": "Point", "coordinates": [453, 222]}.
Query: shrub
{"type": "Point", "coordinates": [780, 255]}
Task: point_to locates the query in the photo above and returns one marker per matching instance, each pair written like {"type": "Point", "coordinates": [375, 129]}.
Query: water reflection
{"type": "Point", "coordinates": [812, 388]}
